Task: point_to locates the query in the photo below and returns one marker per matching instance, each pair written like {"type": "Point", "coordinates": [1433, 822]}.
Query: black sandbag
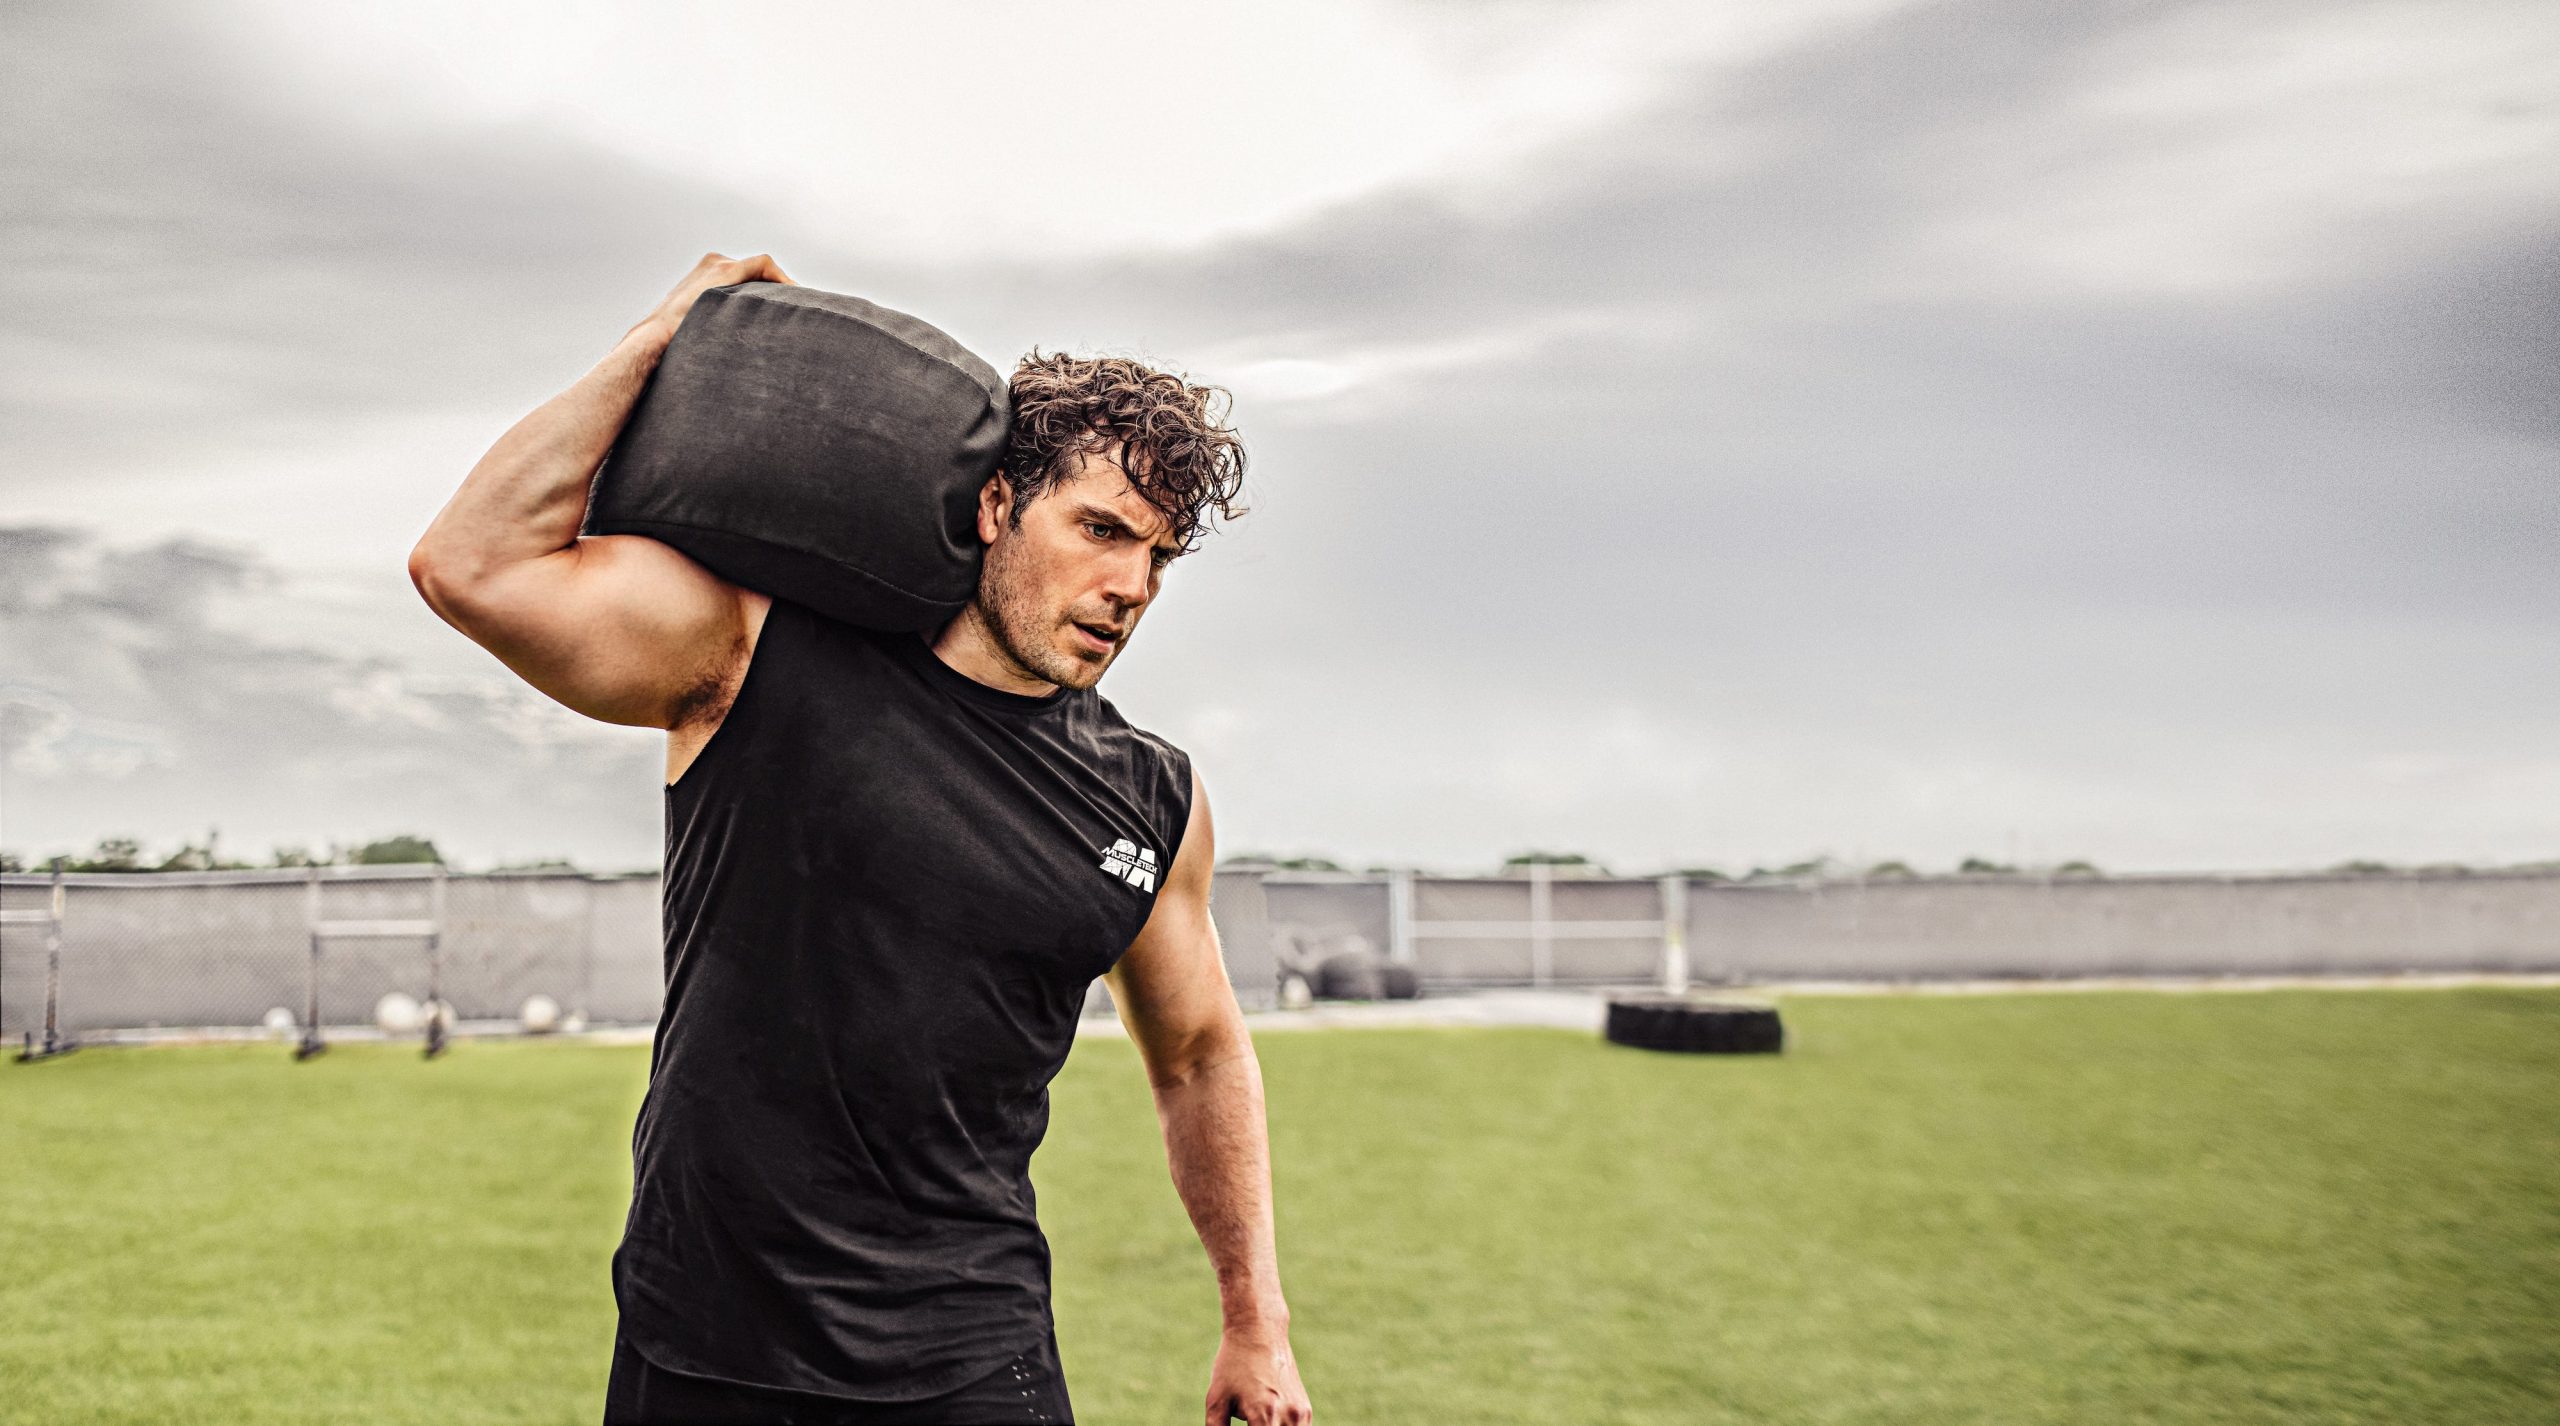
{"type": "Point", "coordinates": [815, 447]}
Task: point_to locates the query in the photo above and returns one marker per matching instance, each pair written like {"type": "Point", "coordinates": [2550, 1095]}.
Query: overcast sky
{"type": "Point", "coordinates": [1683, 434]}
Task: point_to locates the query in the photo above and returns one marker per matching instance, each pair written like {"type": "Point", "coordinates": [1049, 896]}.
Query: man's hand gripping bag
{"type": "Point", "coordinates": [814, 447]}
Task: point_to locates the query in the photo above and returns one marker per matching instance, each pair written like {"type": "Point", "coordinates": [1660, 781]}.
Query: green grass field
{"type": "Point", "coordinates": [2300, 1206]}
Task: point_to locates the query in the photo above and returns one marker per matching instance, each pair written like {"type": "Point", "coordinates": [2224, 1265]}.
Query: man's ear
{"type": "Point", "coordinates": [995, 506]}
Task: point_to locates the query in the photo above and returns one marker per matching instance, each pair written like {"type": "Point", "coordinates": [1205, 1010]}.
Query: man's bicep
{"type": "Point", "coordinates": [618, 627]}
{"type": "Point", "coordinates": [1170, 986]}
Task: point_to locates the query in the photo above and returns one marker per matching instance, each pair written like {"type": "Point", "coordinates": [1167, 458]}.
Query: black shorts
{"type": "Point", "coordinates": [1030, 1390]}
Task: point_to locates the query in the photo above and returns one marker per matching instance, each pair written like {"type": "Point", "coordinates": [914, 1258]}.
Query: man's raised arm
{"type": "Point", "coordinates": [1171, 990]}
{"type": "Point", "coordinates": [618, 627]}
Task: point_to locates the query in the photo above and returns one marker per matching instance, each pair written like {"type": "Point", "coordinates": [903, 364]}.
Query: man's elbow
{"type": "Point", "coordinates": [431, 574]}
{"type": "Point", "coordinates": [421, 568]}
{"type": "Point", "coordinates": [449, 580]}
{"type": "Point", "coordinates": [1205, 1048]}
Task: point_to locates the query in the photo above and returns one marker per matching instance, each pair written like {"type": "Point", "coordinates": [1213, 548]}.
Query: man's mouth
{"type": "Point", "coordinates": [1102, 636]}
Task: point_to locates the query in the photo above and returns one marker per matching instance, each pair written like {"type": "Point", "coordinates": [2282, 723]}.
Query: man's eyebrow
{"type": "Point", "coordinates": [1103, 515]}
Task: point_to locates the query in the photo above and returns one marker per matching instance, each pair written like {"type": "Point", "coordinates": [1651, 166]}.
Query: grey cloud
{"type": "Point", "coordinates": [1821, 508]}
{"type": "Point", "coordinates": [135, 702]}
{"type": "Point", "coordinates": [2132, 542]}
{"type": "Point", "coordinates": [198, 264]}
{"type": "Point", "coordinates": [30, 556]}
{"type": "Point", "coordinates": [2372, 435]}
{"type": "Point", "coordinates": [1797, 198]}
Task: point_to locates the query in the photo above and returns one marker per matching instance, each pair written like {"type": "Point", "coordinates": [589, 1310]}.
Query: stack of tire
{"type": "Point", "coordinates": [1364, 975]}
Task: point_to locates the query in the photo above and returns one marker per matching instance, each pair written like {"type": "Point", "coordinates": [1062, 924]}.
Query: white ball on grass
{"type": "Point", "coordinates": [279, 1021]}
{"type": "Point", "coordinates": [397, 1013]}
{"type": "Point", "coordinates": [541, 1014]}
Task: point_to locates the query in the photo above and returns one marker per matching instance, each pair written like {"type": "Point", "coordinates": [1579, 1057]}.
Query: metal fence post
{"type": "Point", "coordinates": [311, 1044]}
{"type": "Point", "coordinates": [1400, 915]}
{"type": "Point", "coordinates": [587, 957]}
{"type": "Point", "coordinates": [1675, 934]}
{"type": "Point", "coordinates": [439, 1013]}
{"type": "Point", "coordinates": [1542, 935]}
{"type": "Point", "coordinates": [55, 1042]}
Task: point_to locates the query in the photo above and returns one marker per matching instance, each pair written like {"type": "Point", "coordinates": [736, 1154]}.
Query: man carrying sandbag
{"type": "Point", "coordinates": [868, 590]}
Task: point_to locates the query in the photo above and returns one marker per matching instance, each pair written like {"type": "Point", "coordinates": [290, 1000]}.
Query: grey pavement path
{"type": "Point", "coordinates": [1581, 1008]}
{"type": "Point", "coordinates": [1586, 1008]}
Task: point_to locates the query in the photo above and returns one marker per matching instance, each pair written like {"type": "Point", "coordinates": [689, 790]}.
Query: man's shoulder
{"type": "Point", "coordinates": [1150, 768]}
{"type": "Point", "coordinates": [1156, 746]}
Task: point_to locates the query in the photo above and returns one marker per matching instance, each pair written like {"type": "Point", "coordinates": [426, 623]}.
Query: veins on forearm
{"type": "Point", "coordinates": [1217, 1144]}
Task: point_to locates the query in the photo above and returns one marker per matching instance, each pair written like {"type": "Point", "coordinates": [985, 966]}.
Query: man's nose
{"type": "Point", "coordinates": [1129, 578]}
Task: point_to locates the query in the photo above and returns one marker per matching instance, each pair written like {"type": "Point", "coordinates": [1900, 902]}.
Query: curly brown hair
{"type": "Point", "coordinates": [1170, 436]}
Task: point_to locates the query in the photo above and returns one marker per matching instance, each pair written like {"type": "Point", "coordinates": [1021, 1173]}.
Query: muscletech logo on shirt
{"type": "Point", "coordinates": [1131, 863]}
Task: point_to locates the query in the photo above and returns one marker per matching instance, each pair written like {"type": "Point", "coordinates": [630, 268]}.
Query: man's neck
{"type": "Point", "coordinates": [967, 644]}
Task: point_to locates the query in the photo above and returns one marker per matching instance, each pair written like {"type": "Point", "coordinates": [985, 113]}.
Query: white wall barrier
{"type": "Point", "coordinates": [220, 949]}
{"type": "Point", "coordinates": [1539, 927]}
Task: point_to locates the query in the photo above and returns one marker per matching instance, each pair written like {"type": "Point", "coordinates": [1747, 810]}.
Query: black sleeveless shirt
{"type": "Point", "coordinates": [888, 889]}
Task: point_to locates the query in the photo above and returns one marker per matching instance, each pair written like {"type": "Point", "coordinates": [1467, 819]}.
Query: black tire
{"type": "Point", "coordinates": [1697, 1027]}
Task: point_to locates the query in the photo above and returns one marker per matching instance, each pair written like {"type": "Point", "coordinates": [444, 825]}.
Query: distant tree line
{"type": "Point", "coordinates": [126, 854]}
{"type": "Point", "coordinates": [1832, 869]}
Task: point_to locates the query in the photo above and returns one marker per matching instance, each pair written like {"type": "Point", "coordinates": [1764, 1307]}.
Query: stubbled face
{"type": "Point", "coordinates": [1061, 592]}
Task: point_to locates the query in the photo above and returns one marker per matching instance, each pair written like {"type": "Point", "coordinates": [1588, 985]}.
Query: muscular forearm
{"type": "Point", "coordinates": [1217, 1145]}
{"type": "Point", "coordinates": [528, 494]}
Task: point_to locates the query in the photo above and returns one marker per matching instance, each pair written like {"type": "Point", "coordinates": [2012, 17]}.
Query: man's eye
{"type": "Point", "coordinates": [1163, 558]}
{"type": "Point", "coordinates": [1100, 530]}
